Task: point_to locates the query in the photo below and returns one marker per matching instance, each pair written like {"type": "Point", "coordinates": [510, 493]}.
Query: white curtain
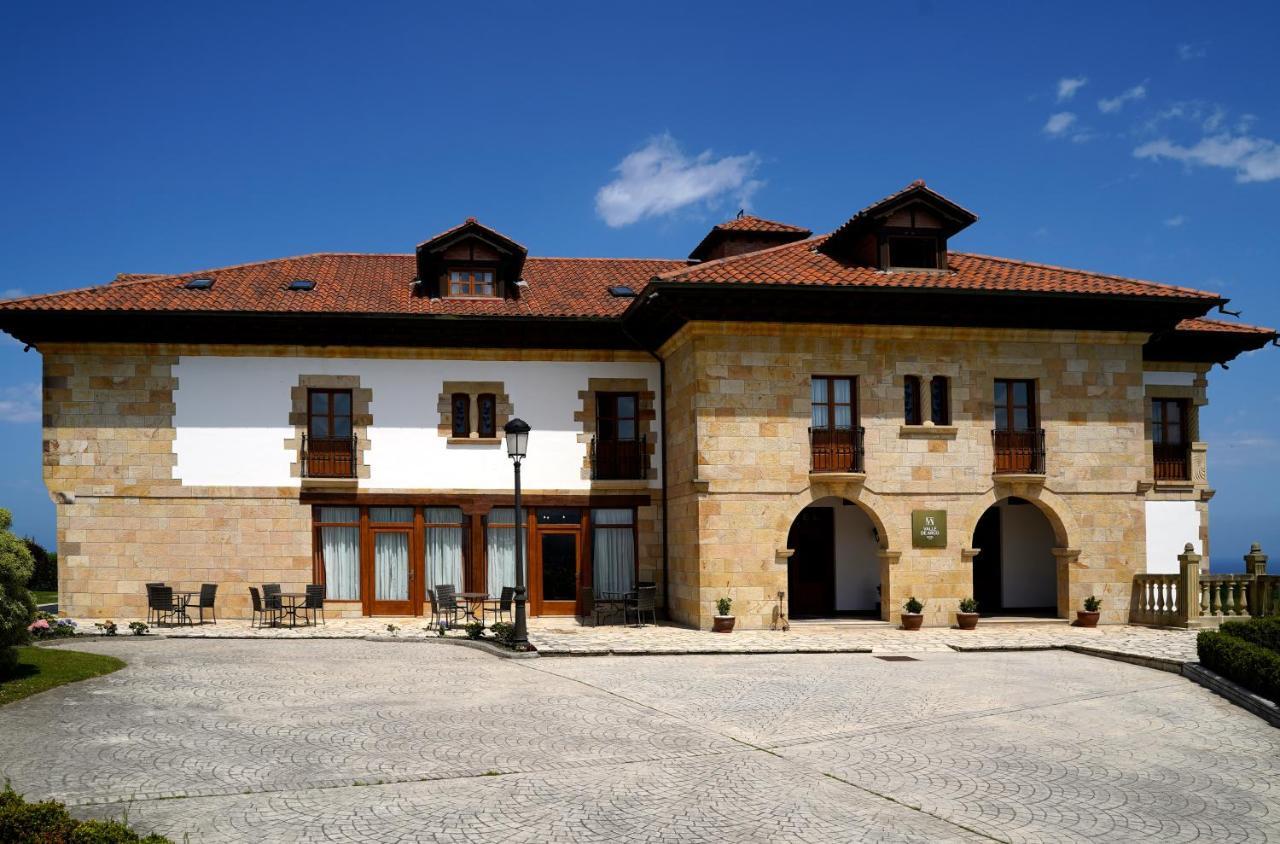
{"type": "Point", "coordinates": [843, 403]}
{"type": "Point", "coordinates": [391, 566]}
{"type": "Point", "coordinates": [443, 547]}
{"type": "Point", "coordinates": [613, 552]}
{"type": "Point", "coordinates": [402, 515]}
{"type": "Point", "coordinates": [340, 547]}
{"type": "Point", "coordinates": [501, 550]}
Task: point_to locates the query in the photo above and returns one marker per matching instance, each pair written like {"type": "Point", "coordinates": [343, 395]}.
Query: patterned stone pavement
{"type": "Point", "coordinates": [410, 741]}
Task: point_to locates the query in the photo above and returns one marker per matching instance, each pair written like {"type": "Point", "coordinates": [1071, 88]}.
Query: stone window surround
{"type": "Point", "coordinates": [645, 416]}
{"type": "Point", "coordinates": [928, 429]}
{"type": "Point", "coordinates": [503, 410]}
{"type": "Point", "coordinates": [1196, 397]}
{"type": "Point", "coordinates": [361, 417]}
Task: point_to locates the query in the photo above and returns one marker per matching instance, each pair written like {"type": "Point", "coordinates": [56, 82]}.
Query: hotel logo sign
{"type": "Point", "coordinates": [928, 528]}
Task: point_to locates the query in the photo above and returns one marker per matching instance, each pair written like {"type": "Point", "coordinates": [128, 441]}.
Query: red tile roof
{"type": "Point", "coordinates": [748, 223]}
{"type": "Point", "coordinates": [353, 283]}
{"type": "Point", "coordinates": [802, 264]}
{"type": "Point", "coordinates": [1221, 326]}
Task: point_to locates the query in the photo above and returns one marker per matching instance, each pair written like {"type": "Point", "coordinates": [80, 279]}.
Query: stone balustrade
{"type": "Point", "coordinates": [1162, 599]}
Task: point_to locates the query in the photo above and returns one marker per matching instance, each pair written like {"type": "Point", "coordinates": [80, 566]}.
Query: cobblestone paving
{"type": "Point", "coordinates": [410, 741]}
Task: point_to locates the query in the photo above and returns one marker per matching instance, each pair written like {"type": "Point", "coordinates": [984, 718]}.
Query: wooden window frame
{"type": "Point", "coordinates": [471, 284]}
{"type": "Point", "coordinates": [1171, 459]}
{"type": "Point", "coordinates": [490, 430]}
{"type": "Point", "coordinates": [317, 543]}
{"type": "Point", "coordinates": [912, 413]}
{"type": "Point", "coordinates": [831, 404]}
{"type": "Point", "coordinates": [940, 400]}
{"type": "Point", "coordinates": [460, 427]}
{"type": "Point", "coordinates": [1010, 406]}
{"type": "Point", "coordinates": [886, 249]}
{"type": "Point", "coordinates": [611, 398]}
{"type": "Point", "coordinates": [325, 458]}
{"type": "Point", "coordinates": [592, 527]}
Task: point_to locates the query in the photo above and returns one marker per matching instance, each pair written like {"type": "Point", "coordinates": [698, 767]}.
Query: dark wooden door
{"type": "Point", "coordinates": [555, 571]}
{"type": "Point", "coordinates": [811, 571]}
{"type": "Point", "coordinates": [987, 564]}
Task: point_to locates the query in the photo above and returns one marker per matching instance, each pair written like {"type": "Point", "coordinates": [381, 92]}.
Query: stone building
{"type": "Point", "coordinates": [817, 426]}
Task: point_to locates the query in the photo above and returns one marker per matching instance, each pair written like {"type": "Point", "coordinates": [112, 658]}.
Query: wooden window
{"type": "Point", "coordinates": [487, 411]}
{"type": "Point", "coordinates": [940, 400]}
{"type": "Point", "coordinates": [913, 252]}
{"type": "Point", "coordinates": [911, 399]}
{"type": "Point", "coordinates": [835, 441]}
{"type": "Point", "coordinates": [460, 413]}
{"type": "Point", "coordinates": [1015, 405]}
{"type": "Point", "coordinates": [472, 283]}
{"type": "Point", "coordinates": [330, 447]}
{"type": "Point", "coordinates": [1170, 439]}
{"type": "Point", "coordinates": [618, 450]}
{"type": "Point", "coordinates": [337, 551]}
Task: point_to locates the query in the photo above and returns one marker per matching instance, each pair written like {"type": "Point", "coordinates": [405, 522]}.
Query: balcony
{"type": "Point", "coordinates": [1172, 462]}
{"type": "Point", "coordinates": [835, 450]}
{"type": "Point", "coordinates": [329, 457]}
{"type": "Point", "coordinates": [619, 460]}
{"type": "Point", "coordinates": [1019, 452]}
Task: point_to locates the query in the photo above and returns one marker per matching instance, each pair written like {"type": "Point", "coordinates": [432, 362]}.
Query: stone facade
{"type": "Point", "coordinates": [739, 458]}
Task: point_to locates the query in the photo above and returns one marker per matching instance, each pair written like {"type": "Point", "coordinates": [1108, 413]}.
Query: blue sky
{"type": "Point", "coordinates": [1139, 139]}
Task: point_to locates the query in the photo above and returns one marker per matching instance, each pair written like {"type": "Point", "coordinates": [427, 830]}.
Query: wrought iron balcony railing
{"type": "Point", "coordinates": [329, 457]}
{"type": "Point", "coordinates": [619, 460]}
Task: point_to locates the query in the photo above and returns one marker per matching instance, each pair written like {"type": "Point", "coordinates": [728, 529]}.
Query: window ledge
{"type": "Point", "coordinates": [1018, 478]}
{"type": "Point", "coordinates": [928, 432]}
{"type": "Point", "coordinates": [1187, 485]}
{"type": "Point", "coordinates": [330, 483]}
{"type": "Point", "coordinates": [474, 440]}
{"type": "Point", "coordinates": [621, 483]}
{"type": "Point", "coordinates": [838, 477]}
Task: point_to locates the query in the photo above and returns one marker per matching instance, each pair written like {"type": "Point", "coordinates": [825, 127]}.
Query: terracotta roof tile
{"type": "Point", "coordinates": [353, 283]}
{"type": "Point", "coordinates": [748, 223]}
{"type": "Point", "coordinates": [1221, 326]}
{"type": "Point", "coordinates": [802, 264]}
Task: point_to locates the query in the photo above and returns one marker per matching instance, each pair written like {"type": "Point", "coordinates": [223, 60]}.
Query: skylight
{"type": "Point", "coordinates": [199, 284]}
{"type": "Point", "coordinates": [302, 284]}
{"type": "Point", "coordinates": [622, 291]}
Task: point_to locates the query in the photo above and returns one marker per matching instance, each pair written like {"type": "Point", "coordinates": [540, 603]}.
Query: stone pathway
{"type": "Point", "coordinates": [298, 741]}
{"type": "Point", "coordinates": [1166, 649]}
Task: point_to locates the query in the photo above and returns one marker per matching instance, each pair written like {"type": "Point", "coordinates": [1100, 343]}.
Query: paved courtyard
{"type": "Point", "coordinates": [349, 740]}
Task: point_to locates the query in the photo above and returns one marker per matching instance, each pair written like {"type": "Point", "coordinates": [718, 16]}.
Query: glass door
{"type": "Point", "coordinates": [392, 572]}
{"type": "Point", "coordinates": [556, 571]}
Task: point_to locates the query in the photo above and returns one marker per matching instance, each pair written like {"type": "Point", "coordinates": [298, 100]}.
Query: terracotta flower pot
{"type": "Point", "coordinates": [966, 620]}
{"type": "Point", "coordinates": [1087, 619]}
{"type": "Point", "coordinates": [912, 620]}
{"type": "Point", "coordinates": [722, 624]}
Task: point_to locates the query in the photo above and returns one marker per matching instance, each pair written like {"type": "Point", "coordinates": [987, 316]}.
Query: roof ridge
{"type": "Point", "coordinates": [731, 258]}
{"type": "Point", "coordinates": [1093, 273]}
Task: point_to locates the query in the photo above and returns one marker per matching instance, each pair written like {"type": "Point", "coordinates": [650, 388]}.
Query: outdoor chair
{"type": "Point", "coordinates": [161, 605]}
{"type": "Point", "coordinates": [447, 604]}
{"type": "Point", "coordinates": [593, 608]}
{"type": "Point", "coordinates": [261, 610]}
{"type": "Point", "coordinates": [271, 594]}
{"type": "Point", "coordinates": [315, 602]}
{"type": "Point", "coordinates": [208, 592]}
{"type": "Point", "coordinates": [501, 607]}
{"type": "Point", "coordinates": [645, 601]}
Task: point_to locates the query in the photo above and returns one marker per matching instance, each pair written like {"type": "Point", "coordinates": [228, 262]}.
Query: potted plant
{"type": "Point", "coordinates": [967, 617]}
{"type": "Point", "coordinates": [1088, 617]}
{"type": "Point", "coordinates": [723, 622]}
{"type": "Point", "coordinates": [912, 614]}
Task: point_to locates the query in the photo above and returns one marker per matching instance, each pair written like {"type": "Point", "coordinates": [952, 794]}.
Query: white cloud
{"type": "Point", "coordinates": [1188, 52]}
{"type": "Point", "coordinates": [1059, 123]}
{"type": "Point", "coordinates": [1175, 221]}
{"type": "Point", "coordinates": [659, 178]}
{"type": "Point", "coordinates": [1253, 159]}
{"type": "Point", "coordinates": [20, 403]}
{"type": "Point", "coordinates": [1114, 104]}
{"type": "Point", "coordinates": [1068, 85]}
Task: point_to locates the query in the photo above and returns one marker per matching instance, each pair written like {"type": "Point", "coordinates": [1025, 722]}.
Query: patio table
{"type": "Point", "coordinates": [473, 599]}
{"type": "Point", "coordinates": [290, 604]}
{"type": "Point", "coordinates": [182, 598]}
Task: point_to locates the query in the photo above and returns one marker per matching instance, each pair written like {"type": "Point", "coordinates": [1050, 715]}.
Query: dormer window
{"type": "Point", "coordinates": [913, 252]}
{"type": "Point", "coordinates": [472, 283]}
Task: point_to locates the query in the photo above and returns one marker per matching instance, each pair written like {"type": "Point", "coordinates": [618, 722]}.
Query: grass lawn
{"type": "Point", "coordinates": [40, 669]}
{"type": "Point", "coordinates": [45, 597]}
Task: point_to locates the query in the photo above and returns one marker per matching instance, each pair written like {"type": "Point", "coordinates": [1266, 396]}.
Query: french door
{"type": "Point", "coordinates": [555, 570]}
{"type": "Point", "coordinates": [394, 561]}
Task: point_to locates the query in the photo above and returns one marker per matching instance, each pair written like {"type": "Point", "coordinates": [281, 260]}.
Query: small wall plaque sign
{"type": "Point", "coordinates": [928, 528]}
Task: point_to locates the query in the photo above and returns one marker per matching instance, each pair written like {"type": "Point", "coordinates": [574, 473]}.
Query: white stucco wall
{"type": "Point", "coordinates": [1168, 379]}
{"type": "Point", "coordinates": [1028, 568]}
{"type": "Point", "coordinates": [1170, 526]}
{"type": "Point", "coordinates": [232, 418]}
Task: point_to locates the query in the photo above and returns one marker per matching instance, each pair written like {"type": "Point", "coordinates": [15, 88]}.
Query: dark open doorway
{"type": "Point", "coordinates": [811, 569]}
{"type": "Point", "coordinates": [1014, 572]}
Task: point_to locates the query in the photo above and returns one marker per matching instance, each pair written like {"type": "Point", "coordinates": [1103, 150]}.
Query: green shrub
{"type": "Point", "coordinates": [17, 607]}
{"type": "Point", "coordinates": [475, 629]}
{"type": "Point", "coordinates": [49, 823]}
{"type": "Point", "coordinates": [968, 605]}
{"type": "Point", "coordinates": [1092, 603]}
{"type": "Point", "coordinates": [724, 606]}
{"type": "Point", "coordinates": [1260, 631]}
{"type": "Point", "coordinates": [913, 606]}
{"type": "Point", "coordinates": [1252, 666]}
{"type": "Point", "coordinates": [503, 632]}
{"type": "Point", "coordinates": [44, 573]}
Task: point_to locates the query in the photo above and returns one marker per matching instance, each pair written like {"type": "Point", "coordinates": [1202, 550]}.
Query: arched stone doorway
{"type": "Point", "coordinates": [834, 569]}
{"type": "Point", "coordinates": [1015, 570]}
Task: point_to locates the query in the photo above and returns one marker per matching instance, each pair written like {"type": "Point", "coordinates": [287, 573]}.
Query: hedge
{"type": "Point", "coordinates": [1259, 631]}
{"type": "Point", "coordinates": [1252, 666]}
{"type": "Point", "coordinates": [49, 823]}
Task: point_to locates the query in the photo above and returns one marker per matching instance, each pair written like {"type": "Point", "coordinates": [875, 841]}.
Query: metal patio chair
{"type": "Point", "coordinates": [314, 604]}
{"type": "Point", "coordinates": [447, 603]}
{"type": "Point", "coordinates": [500, 607]}
{"type": "Point", "coordinates": [261, 610]}
{"type": "Point", "coordinates": [645, 601]}
{"type": "Point", "coordinates": [208, 593]}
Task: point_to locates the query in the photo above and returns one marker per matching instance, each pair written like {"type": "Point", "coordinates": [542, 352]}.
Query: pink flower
{"type": "Point", "coordinates": [39, 625]}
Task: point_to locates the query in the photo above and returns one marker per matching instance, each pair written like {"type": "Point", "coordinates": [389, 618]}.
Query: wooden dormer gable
{"type": "Point", "coordinates": [472, 249]}
{"type": "Point", "coordinates": [906, 231]}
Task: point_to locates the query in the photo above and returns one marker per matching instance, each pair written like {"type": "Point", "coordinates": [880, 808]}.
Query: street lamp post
{"type": "Point", "coordinates": [517, 431]}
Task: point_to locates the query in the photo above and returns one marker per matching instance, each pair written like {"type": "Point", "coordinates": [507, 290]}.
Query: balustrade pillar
{"type": "Point", "coordinates": [1261, 599]}
{"type": "Point", "coordinates": [1189, 587]}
